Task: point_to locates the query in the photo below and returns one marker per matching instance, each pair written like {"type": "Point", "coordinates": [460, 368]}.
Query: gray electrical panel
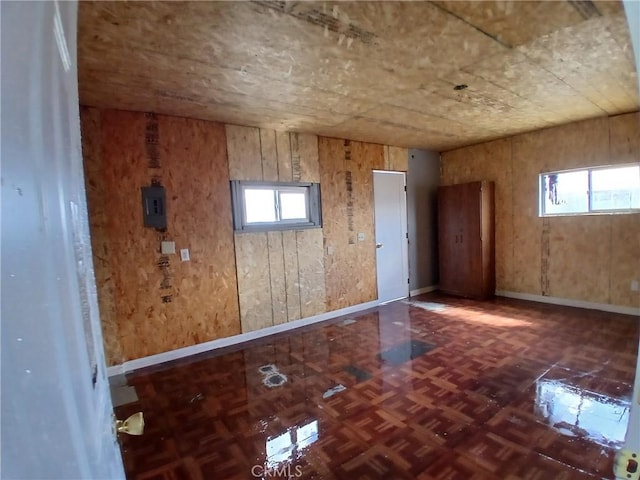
{"type": "Point", "coordinates": [154, 210]}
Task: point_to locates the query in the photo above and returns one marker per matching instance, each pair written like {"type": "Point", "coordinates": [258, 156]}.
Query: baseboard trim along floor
{"type": "Point", "coordinates": [420, 291]}
{"type": "Point", "coordinates": [567, 302]}
{"type": "Point", "coordinates": [159, 358]}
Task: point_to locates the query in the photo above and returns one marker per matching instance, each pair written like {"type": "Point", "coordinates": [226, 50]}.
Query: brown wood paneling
{"type": "Point", "coordinates": [203, 292]}
{"type": "Point", "coordinates": [277, 278]}
{"type": "Point", "coordinates": [624, 259]}
{"type": "Point", "coordinates": [283, 145]}
{"type": "Point", "coordinates": [292, 274]}
{"type": "Point", "coordinates": [133, 249]}
{"type": "Point", "coordinates": [396, 158]}
{"type": "Point", "coordinates": [311, 268]}
{"type": "Point", "coordinates": [579, 258]}
{"type": "Point", "coordinates": [243, 150]}
{"type": "Point", "coordinates": [347, 200]}
{"type": "Point", "coordinates": [278, 272]}
{"type": "Point", "coordinates": [624, 138]}
{"type": "Point", "coordinates": [195, 172]}
{"type": "Point", "coordinates": [527, 65]}
{"type": "Point", "coordinates": [91, 127]}
{"type": "Point", "coordinates": [338, 249]}
{"type": "Point", "coordinates": [515, 23]}
{"type": "Point", "coordinates": [254, 282]}
{"type": "Point", "coordinates": [366, 157]}
{"type": "Point", "coordinates": [590, 258]}
{"type": "Point", "coordinates": [269, 154]}
{"type": "Point", "coordinates": [305, 147]}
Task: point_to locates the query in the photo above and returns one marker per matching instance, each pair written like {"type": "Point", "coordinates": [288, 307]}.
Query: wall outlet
{"type": "Point", "coordinates": [361, 236]}
{"type": "Point", "coordinates": [635, 286]}
{"type": "Point", "coordinates": [168, 248]}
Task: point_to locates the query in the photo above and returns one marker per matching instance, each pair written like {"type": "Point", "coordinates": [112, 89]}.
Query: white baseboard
{"type": "Point", "coordinates": [151, 360]}
{"type": "Point", "coordinates": [605, 307]}
{"type": "Point", "coordinates": [420, 291]}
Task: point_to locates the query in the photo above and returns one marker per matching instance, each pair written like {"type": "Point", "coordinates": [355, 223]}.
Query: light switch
{"type": "Point", "coordinates": [184, 254]}
{"type": "Point", "coordinates": [329, 250]}
{"type": "Point", "coordinates": [167, 248]}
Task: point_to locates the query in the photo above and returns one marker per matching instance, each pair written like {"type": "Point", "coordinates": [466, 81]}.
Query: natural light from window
{"type": "Point", "coordinates": [574, 411]}
{"type": "Point", "coordinates": [268, 206]}
{"type": "Point", "coordinates": [272, 205]}
{"type": "Point", "coordinates": [293, 206]}
{"type": "Point", "coordinates": [288, 445]}
{"type": "Point", "coordinates": [617, 188]}
{"type": "Point", "coordinates": [592, 190]}
{"type": "Point", "coordinates": [260, 205]}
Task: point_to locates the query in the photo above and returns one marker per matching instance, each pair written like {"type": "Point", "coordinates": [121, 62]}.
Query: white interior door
{"type": "Point", "coordinates": [392, 256]}
{"type": "Point", "coordinates": [56, 406]}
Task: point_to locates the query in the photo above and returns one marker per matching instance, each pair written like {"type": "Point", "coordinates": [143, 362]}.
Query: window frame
{"type": "Point", "coordinates": [542, 191]}
{"type": "Point", "coordinates": [238, 207]}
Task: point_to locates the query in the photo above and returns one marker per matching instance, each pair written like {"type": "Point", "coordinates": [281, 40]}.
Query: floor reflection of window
{"type": "Point", "coordinates": [287, 446]}
{"type": "Point", "coordinates": [279, 449]}
{"type": "Point", "coordinates": [578, 412]}
{"type": "Point", "coordinates": [307, 434]}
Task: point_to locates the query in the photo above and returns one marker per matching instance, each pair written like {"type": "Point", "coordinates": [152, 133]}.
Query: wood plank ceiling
{"type": "Point", "coordinates": [381, 72]}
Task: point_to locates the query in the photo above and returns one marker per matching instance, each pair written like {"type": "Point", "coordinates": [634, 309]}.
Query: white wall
{"type": "Point", "coordinates": [423, 177]}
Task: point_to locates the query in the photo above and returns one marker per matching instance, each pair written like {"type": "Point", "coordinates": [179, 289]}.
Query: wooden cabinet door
{"type": "Point", "coordinates": [471, 248]}
{"type": "Point", "coordinates": [449, 245]}
{"type": "Point", "coordinates": [463, 259]}
{"type": "Point", "coordinates": [445, 238]}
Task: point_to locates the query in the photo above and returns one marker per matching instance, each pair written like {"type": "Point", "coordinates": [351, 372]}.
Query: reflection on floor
{"type": "Point", "coordinates": [503, 389]}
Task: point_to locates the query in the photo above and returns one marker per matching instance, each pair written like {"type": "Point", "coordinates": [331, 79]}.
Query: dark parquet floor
{"type": "Point", "coordinates": [438, 388]}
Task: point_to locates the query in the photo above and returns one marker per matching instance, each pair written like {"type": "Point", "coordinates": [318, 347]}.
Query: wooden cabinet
{"type": "Point", "coordinates": [466, 239]}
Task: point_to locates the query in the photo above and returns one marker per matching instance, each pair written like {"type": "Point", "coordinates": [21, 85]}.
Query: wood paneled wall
{"type": "Point", "coordinates": [347, 210]}
{"type": "Point", "coordinates": [235, 282]}
{"type": "Point", "coordinates": [118, 149]}
{"type": "Point", "coordinates": [280, 274]}
{"type": "Point", "coordinates": [592, 258]}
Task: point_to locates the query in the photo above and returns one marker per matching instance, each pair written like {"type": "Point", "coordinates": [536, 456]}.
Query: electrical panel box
{"type": "Point", "coordinates": [154, 210]}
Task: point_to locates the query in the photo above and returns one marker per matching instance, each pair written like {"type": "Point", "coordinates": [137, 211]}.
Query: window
{"type": "Point", "coordinates": [262, 206]}
{"type": "Point", "coordinates": [591, 190]}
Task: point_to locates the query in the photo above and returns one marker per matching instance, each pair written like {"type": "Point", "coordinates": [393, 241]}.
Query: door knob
{"type": "Point", "coordinates": [379, 245]}
{"type": "Point", "coordinates": [134, 425]}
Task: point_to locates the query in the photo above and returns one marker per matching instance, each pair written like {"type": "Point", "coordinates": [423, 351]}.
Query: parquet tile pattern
{"type": "Point", "coordinates": [498, 396]}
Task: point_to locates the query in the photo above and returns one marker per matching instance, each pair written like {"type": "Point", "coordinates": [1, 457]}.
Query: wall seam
{"type": "Point", "coordinates": [299, 276]}
{"type": "Point", "coordinates": [261, 159]}
{"type": "Point", "coordinates": [270, 279]}
{"type": "Point", "coordinates": [275, 141]}
{"type": "Point", "coordinates": [284, 269]}
{"type": "Point", "coordinates": [290, 179]}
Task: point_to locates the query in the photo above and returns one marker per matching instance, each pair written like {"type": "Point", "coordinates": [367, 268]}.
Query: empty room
{"type": "Point", "coordinates": [322, 240]}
